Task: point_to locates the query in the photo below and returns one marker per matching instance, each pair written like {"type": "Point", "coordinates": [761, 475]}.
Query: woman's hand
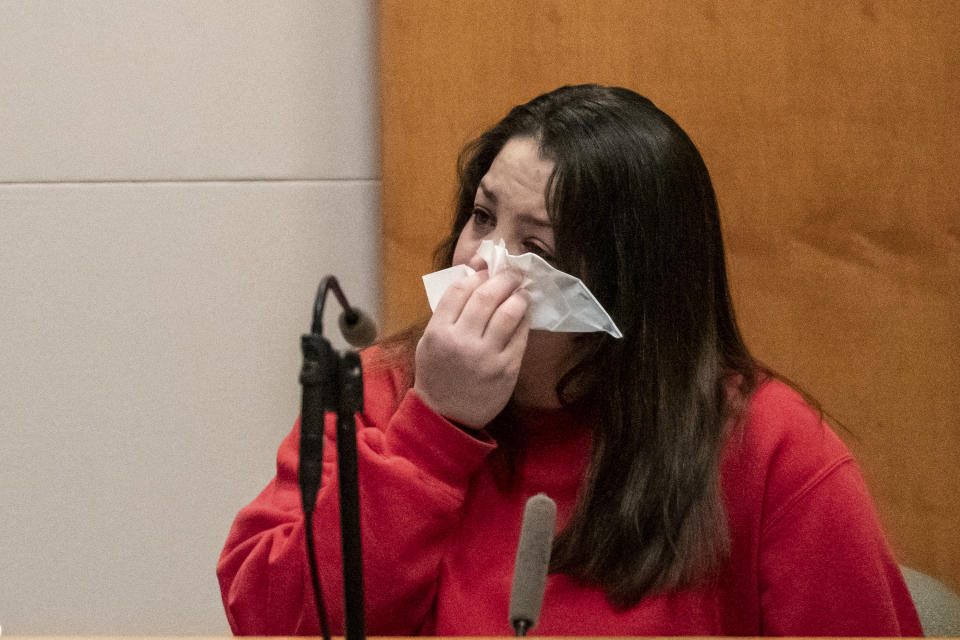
{"type": "Point", "coordinates": [468, 360]}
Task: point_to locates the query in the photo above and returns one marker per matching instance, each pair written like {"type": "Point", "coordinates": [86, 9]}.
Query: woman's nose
{"type": "Point", "coordinates": [476, 263]}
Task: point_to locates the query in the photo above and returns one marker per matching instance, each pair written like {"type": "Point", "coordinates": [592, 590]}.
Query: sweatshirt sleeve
{"type": "Point", "coordinates": [414, 469]}
{"type": "Point", "coordinates": [825, 567]}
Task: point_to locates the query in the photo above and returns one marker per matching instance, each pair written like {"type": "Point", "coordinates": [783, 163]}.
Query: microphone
{"type": "Point", "coordinates": [333, 382]}
{"type": "Point", "coordinates": [357, 328]}
{"type": "Point", "coordinates": [533, 560]}
{"type": "Point", "coordinates": [320, 377]}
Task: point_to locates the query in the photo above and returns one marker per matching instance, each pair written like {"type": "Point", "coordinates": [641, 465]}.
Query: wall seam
{"type": "Point", "coordinates": [80, 183]}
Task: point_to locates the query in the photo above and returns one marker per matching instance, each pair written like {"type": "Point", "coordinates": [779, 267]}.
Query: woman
{"type": "Point", "coordinates": [696, 493]}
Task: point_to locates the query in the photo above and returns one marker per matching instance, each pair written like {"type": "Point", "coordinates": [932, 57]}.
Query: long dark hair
{"type": "Point", "coordinates": [636, 218]}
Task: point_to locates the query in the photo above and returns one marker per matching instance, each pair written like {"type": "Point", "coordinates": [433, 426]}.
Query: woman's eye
{"type": "Point", "coordinates": [483, 219]}
{"type": "Point", "coordinates": [539, 250]}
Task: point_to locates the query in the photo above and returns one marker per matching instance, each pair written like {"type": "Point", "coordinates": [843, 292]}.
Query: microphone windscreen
{"type": "Point", "coordinates": [533, 560]}
{"type": "Point", "coordinates": [358, 329]}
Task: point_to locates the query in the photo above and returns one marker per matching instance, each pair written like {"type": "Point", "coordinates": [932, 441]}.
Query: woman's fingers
{"type": "Point", "coordinates": [486, 300]}
{"type": "Point", "coordinates": [517, 342]}
{"type": "Point", "coordinates": [455, 297]}
{"type": "Point", "coordinates": [507, 319]}
{"type": "Point", "coordinates": [469, 357]}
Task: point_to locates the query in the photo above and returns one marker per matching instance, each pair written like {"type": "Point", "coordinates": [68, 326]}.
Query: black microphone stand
{"type": "Point", "coordinates": [332, 382]}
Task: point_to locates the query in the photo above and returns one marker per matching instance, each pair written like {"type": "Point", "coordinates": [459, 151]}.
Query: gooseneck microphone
{"type": "Point", "coordinates": [533, 560]}
{"type": "Point", "coordinates": [358, 329]}
{"type": "Point", "coordinates": [334, 383]}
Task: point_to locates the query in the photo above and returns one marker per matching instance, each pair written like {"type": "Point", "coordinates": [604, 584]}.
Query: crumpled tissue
{"type": "Point", "coordinates": [558, 301]}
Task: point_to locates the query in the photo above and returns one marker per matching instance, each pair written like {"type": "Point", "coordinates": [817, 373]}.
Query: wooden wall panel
{"type": "Point", "coordinates": [831, 132]}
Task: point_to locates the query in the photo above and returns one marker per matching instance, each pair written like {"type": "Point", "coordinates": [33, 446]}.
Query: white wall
{"type": "Point", "coordinates": [175, 179]}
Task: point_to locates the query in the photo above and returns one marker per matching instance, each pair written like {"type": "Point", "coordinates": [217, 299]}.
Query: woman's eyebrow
{"type": "Point", "coordinates": [489, 195]}
{"type": "Point", "coordinates": [525, 218]}
{"type": "Point", "coordinates": [532, 220]}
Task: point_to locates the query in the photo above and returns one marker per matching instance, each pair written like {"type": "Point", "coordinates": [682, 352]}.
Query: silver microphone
{"type": "Point", "coordinates": [533, 560]}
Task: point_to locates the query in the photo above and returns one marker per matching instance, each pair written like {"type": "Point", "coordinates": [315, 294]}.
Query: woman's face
{"type": "Point", "coordinates": [510, 204]}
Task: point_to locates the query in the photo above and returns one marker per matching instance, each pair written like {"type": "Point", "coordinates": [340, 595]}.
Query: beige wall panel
{"type": "Point", "coordinates": [831, 132]}
{"type": "Point", "coordinates": [151, 358]}
{"type": "Point", "coordinates": [187, 90]}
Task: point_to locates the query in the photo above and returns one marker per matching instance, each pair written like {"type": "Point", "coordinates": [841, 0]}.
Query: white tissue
{"type": "Point", "coordinates": [558, 301]}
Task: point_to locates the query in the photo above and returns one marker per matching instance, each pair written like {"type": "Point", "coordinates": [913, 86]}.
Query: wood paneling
{"type": "Point", "coordinates": [831, 133]}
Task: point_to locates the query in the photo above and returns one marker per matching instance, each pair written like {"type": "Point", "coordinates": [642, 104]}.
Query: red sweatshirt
{"type": "Point", "coordinates": [439, 537]}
